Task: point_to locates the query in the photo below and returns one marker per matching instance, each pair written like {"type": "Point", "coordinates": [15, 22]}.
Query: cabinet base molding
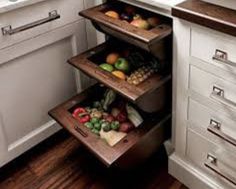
{"type": "Point", "coordinates": [30, 140]}
{"type": "Point", "coordinates": [189, 175]}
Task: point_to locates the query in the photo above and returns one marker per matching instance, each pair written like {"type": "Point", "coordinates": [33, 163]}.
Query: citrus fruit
{"type": "Point", "coordinates": [112, 58]}
{"type": "Point", "coordinates": [119, 74]}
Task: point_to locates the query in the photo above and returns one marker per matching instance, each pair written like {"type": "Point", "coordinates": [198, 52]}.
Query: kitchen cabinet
{"type": "Point", "coordinates": [204, 98]}
{"type": "Point", "coordinates": [30, 14]}
{"type": "Point", "coordinates": [151, 97]}
{"type": "Point", "coordinates": [34, 75]}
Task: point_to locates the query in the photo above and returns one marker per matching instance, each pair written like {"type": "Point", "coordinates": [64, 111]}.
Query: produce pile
{"type": "Point", "coordinates": [111, 118]}
{"type": "Point", "coordinates": [131, 15]}
{"type": "Point", "coordinates": [131, 65]}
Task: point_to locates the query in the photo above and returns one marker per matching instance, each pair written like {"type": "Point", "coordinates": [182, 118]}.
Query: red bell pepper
{"type": "Point", "coordinates": [81, 115]}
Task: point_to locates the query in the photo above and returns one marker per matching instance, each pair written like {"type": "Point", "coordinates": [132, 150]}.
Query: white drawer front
{"type": "Point", "coordinates": [217, 89]}
{"type": "Point", "coordinates": [214, 123]}
{"type": "Point", "coordinates": [203, 153]}
{"type": "Point", "coordinates": [204, 44]}
{"type": "Point", "coordinates": [67, 9]}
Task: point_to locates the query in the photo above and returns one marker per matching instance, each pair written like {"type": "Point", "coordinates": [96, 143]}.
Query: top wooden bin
{"type": "Point", "coordinates": [145, 39]}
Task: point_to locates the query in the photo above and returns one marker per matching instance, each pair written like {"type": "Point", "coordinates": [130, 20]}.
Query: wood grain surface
{"type": "Point", "coordinates": [84, 63]}
{"type": "Point", "coordinates": [206, 14]}
{"type": "Point", "coordinates": [61, 163]}
{"type": "Point", "coordinates": [155, 128]}
{"type": "Point", "coordinates": [124, 30]}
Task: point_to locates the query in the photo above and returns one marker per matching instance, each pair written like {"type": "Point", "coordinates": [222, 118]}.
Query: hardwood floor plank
{"type": "Point", "coordinates": [49, 160]}
{"type": "Point", "coordinates": [62, 163]}
{"type": "Point", "coordinates": [176, 185]}
{"type": "Point", "coordinates": [20, 179]}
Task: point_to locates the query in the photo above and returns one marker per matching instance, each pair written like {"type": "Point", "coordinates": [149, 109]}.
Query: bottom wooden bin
{"type": "Point", "coordinates": [134, 148]}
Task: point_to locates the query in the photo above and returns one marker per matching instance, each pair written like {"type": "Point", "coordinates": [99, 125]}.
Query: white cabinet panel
{"type": "Point", "coordinates": [204, 116]}
{"type": "Point", "coordinates": [29, 86]}
{"type": "Point", "coordinates": [204, 47]}
{"type": "Point", "coordinates": [32, 81]}
{"type": "Point", "coordinates": [200, 150]}
{"type": "Point", "coordinates": [199, 78]}
{"type": "Point", "coordinates": [209, 85]}
{"type": "Point", "coordinates": [67, 9]}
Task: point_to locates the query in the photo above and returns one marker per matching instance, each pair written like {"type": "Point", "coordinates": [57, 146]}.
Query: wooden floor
{"type": "Point", "coordinates": [62, 163]}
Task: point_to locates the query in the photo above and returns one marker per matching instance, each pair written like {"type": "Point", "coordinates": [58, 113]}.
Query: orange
{"type": "Point", "coordinates": [112, 14]}
{"type": "Point", "coordinates": [119, 74]}
{"type": "Point", "coordinates": [112, 58]}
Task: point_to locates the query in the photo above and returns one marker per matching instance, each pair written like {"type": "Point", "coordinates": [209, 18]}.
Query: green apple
{"type": "Point", "coordinates": [107, 67]}
{"type": "Point", "coordinates": [122, 64]}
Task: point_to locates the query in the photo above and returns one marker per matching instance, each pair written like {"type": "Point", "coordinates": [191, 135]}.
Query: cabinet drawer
{"type": "Point", "coordinates": [24, 20]}
{"type": "Point", "coordinates": [213, 87]}
{"type": "Point", "coordinates": [216, 49]}
{"type": "Point", "coordinates": [213, 122]}
{"type": "Point", "coordinates": [130, 149]}
{"type": "Point", "coordinates": [212, 159]}
{"type": "Point", "coordinates": [89, 61]}
{"type": "Point", "coordinates": [124, 30]}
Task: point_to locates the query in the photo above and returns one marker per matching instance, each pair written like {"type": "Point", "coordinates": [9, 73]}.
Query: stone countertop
{"type": "Point", "coordinates": [208, 15]}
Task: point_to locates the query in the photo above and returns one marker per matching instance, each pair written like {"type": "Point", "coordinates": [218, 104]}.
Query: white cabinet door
{"type": "Point", "coordinates": [34, 77]}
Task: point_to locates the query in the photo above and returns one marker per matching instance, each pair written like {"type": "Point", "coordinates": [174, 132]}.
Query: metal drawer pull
{"type": "Point", "coordinates": [80, 131]}
{"type": "Point", "coordinates": [215, 128]}
{"type": "Point", "coordinates": [218, 94]}
{"type": "Point", "coordinates": [222, 57]}
{"type": "Point", "coordinates": [7, 30]}
{"type": "Point", "coordinates": [211, 163]}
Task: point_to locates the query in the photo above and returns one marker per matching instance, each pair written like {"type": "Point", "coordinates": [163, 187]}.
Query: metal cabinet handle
{"type": "Point", "coordinates": [215, 128]}
{"type": "Point", "coordinates": [218, 94]}
{"type": "Point", "coordinates": [80, 131]}
{"type": "Point", "coordinates": [8, 30]}
{"type": "Point", "coordinates": [222, 57]}
{"type": "Point", "coordinates": [211, 164]}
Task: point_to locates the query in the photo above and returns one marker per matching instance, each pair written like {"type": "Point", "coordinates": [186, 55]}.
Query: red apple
{"type": "Point", "coordinates": [154, 21]}
{"type": "Point", "coordinates": [126, 127]}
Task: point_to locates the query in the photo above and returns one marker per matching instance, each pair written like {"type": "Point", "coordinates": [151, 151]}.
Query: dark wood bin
{"type": "Point", "coordinates": [138, 145]}
{"type": "Point", "coordinates": [146, 39]}
{"type": "Point", "coordinates": [88, 63]}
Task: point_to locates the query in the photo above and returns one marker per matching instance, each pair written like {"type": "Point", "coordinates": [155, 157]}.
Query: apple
{"type": "Point", "coordinates": [154, 21]}
{"type": "Point", "coordinates": [122, 64]}
{"type": "Point", "coordinates": [140, 23]}
{"type": "Point", "coordinates": [107, 67]}
{"type": "Point", "coordinates": [126, 127]}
